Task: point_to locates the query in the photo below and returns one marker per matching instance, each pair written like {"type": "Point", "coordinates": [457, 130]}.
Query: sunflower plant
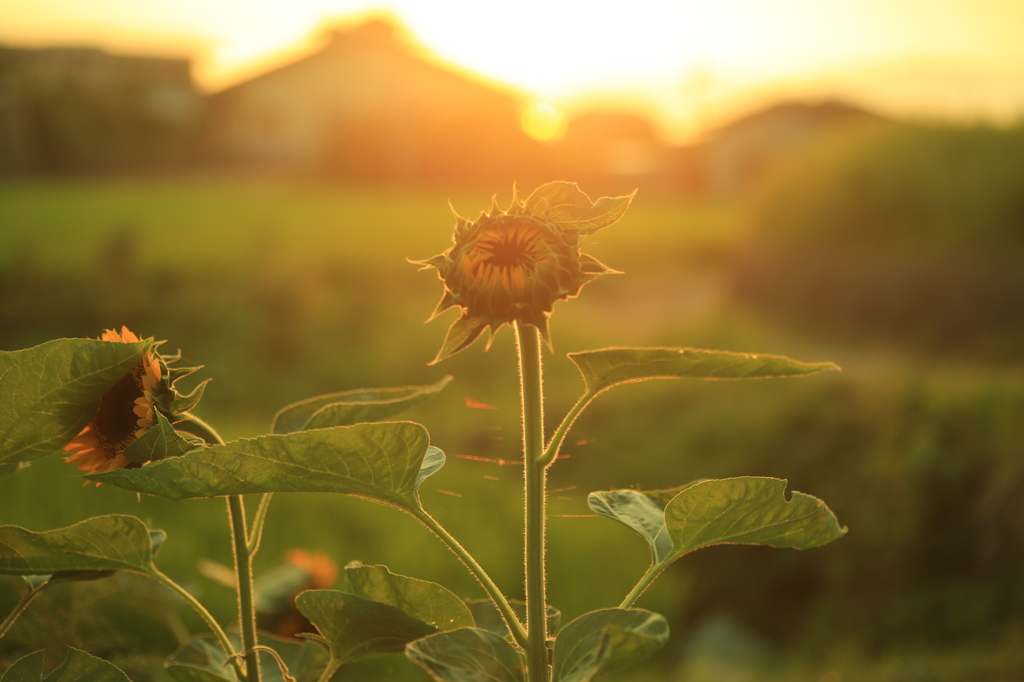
{"type": "Point", "coordinates": [113, 406]}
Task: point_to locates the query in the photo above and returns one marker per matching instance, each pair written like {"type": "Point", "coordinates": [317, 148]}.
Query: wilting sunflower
{"type": "Point", "coordinates": [125, 412]}
{"type": "Point", "coordinates": [511, 266]}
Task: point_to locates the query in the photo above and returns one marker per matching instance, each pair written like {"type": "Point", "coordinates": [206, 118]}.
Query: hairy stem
{"type": "Point", "coordinates": [534, 475]}
{"type": "Point", "coordinates": [563, 429]}
{"type": "Point", "coordinates": [215, 628]}
{"type": "Point", "coordinates": [18, 609]}
{"type": "Point", "coordinates": [243, 574]}
{"type": "Point", "coordinates": [256, 531]}
{"type": "Point", "coordinates": [645, 581]}
{"type": "Point", "coordinates": [495, 594]}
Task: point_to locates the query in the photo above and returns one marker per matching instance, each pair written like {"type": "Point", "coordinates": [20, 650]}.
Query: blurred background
{"type": "Point", "coordinates": [829, 181]}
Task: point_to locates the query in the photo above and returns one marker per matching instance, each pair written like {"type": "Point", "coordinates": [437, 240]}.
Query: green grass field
{"type": "Point", "coordinates": [285, 290]}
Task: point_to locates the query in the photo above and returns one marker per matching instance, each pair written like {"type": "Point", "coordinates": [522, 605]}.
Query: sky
{"type": "Point", "coordinates": [694, 63]}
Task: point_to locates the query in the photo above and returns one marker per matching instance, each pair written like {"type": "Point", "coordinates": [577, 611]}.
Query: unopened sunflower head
{"type": "Point", "coordinates": [129, 409]}
{"type": "Point", "coordinates": [511, 266]}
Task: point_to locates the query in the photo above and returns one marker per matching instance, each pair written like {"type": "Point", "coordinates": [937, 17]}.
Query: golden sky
{"type": "Point", "coordinates": [693, 61]}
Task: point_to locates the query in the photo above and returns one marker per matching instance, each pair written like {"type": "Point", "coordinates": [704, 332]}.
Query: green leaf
{"type": "Point", "coordinates": [751, 511]}
{"type": "Point", "coordinates": [356, 628]}
{"type": "Point", "coordinates": [50, 392]}
{"type": "Point", "coordinates": [568, 206]}
{"type": "Point", "coordinates": [487, 616]}
{"type": "Point", "coordinates": [77, 667]}
{"type": "Point", "coordinates": [605, 641]}
{"type": "Point", "coordinates": [640, 513]}
{"type": "Point", "coordinates": [353, 407]}
{"type": "Point", "coordinates": [203, 660]}
{"type": "Point", "coordinates": [467, 655]}
{"type": "Point", "coordinates": [609, 367]}
{"type": "Point", "coordinates": [429, 602]}
{"type": "Point", "coordinates": [8, 468]}
{"type": "Point", "coordinates": [380, 462]}
{"type": "Point", "coordinates": [160, 441]}
{"type": "Point", "coordinates": [102, 543]}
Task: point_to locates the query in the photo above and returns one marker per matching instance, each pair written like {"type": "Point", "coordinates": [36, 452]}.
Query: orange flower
{"type": "Point", "coordinates": [512, 266]}
{"type": "Point", "coordinates": [125, 412]}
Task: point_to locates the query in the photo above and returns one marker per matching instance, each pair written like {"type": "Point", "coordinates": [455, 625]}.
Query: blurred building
{"type": "Point", "coordinates": [370, 106]}
{"type": "Point", "coordinates": [613, 148]}
{"type": "Point", "coordinates": [72, 109]}
{"type": "Point", "coordinates": [736, 156]}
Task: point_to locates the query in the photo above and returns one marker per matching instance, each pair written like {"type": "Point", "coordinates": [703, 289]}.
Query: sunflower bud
{"type": "Point", "coordinates": [511, 266]}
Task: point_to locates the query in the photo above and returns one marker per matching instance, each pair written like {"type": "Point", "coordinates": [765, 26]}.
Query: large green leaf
{"type": "Point", "coordinates": [749, 510]}
{"type": "Point", "coordinates": [356, 628]}
{"type": "Point", "coordinates": [606, 641]}
{"type": "Point", "coordinates": [467, 655]}
{"type": "Point", "coordinates": [609, 367]}
{"type": "Point", "coordinates": [50, 392]}
{"type": "Point", "coordinates": [568, 206]}
{"type": "Point", "coordinates": [353, 407]}
{"type": "Point", "coordinates": [203, 660]}
{"type": "Point", "coordinates": [384, 462]}
{"type": "Point", "coordinates": [77, 667]}
{"type": "Point", "coordinates": [102, 543]}
{"type": "Point", "coordinates": [429, 602]}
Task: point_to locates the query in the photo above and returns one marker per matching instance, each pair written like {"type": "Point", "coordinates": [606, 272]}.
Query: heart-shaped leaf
{"type": "Point", "coordinates": [606, 641]}
{"type": "Point", "coordinates": [102, 543]}
{"type": "Point", "coordinates": [749, 510]}
{"type": "Point", "coordinates": [467, 655]}
{"type": "Point", "coordinates": [357, 628]}
{"type": "Point", "coordinates": [429, 602]}
{"type": "Point", "coordinates": [160, 441]}
{"type": "Point", "coordinates": [568, 206]}
{"type": "Point", "coordinates": [353, 407]}
{"type": "Point", "coordinates": [77, 667]}
{"type": "Point", "coordinates": [609, 367]}
{"type": "Point", "coordinates": [203, 660]}
{"type": "Point", "coordinates": [50, 392]}
{"type": "Point", "coordinates": [384, 462]}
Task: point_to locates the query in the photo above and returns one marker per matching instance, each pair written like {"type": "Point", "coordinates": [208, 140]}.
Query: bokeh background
{"type": "Point", "coordinates": [829, 181]}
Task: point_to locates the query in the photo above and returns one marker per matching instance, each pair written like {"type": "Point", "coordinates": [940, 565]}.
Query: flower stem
{"type": "Point", "coordinates": [19, 609]}
{"type": "Point", "coordinates": [243, 574]}
{"type": "Point", "coordinates": [534, 474]}
{"type": "Point", "coordinates": [496, 595]}
{"type": "Point", "coordinates": [243, 548]}
{"type": "Point", "coordinates": [256, 531]}
{"type": "Point", "coordinates": [215, 628]}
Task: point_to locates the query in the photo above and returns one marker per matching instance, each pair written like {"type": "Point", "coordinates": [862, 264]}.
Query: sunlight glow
{"type": "Point", "coordinates": [545, 122]}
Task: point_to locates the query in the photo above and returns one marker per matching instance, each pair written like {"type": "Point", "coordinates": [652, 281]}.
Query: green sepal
{"type": "Point", "coordinates": [461, 335]}
{"type": "Point", "coordinates": [467, 655]}
{"type": "Point", "coordinates": [356, 628]}
{"type": "Point", "coordinates": [385, 462]}
{"type": "Point", "coordinates": [78, 666]}
{"type": "Point", "coordinates": [352, 407]}
{"type": "Point", "coordinates": [49, 393]}
{"type": "Point", "coordinates": [429, 602]}
{"type": "Point", "coordinates": [602, 369]}
{"type": "Point", "coordinates": [605, 641]}
{"type": "Point", "coordinates": [160, 441]}
{"type": "Point", "coordinates": [186, 402]}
